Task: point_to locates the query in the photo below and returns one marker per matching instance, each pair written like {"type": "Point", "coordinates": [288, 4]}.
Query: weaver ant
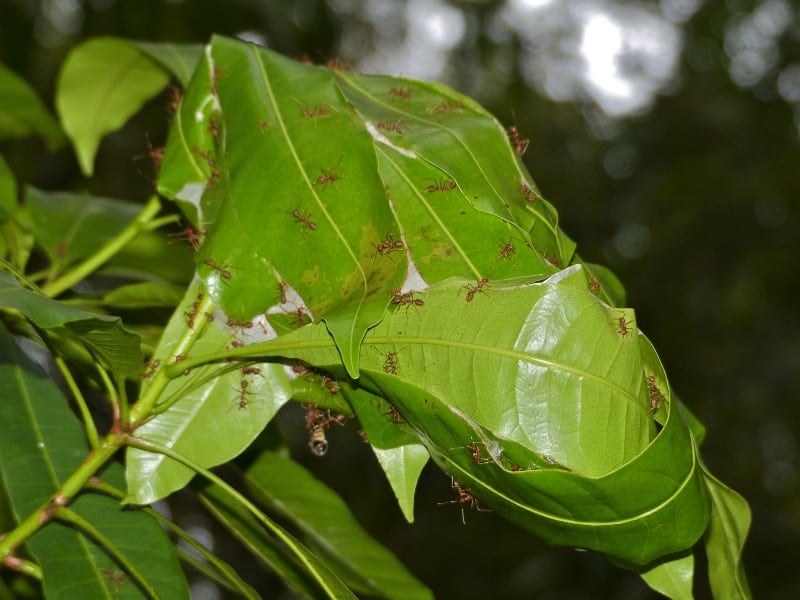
{"type": "Point", "coordinates": [153, 365]}
{"type": "Point", "coordinates": [299, 316]}
{"type": "Point", "coordinates": [304, 219]}
{"type": "Point", "coordinates": [474, 289]}
{"type": "Point", "coordinates": [448, 107]}
{"type": "Point", "coordinates": [322, 111]}
{"type": "Point", "coordinates": [520, 143]}
{"type": "Point", "coordinates": [390, 126]}
{"type": "Point", "coordinates": [441, 186]}
{"type": "Point", "coordinates": [396, 418]}
{"type": "Point", "coordinates": [527, 192]}
{"type": "Point", "coordinates": [243, 393]}
{"type": "Point", "coordinates": [507, 250]}
{"type": "Point", "coordinates": [390, 244]}
{"type": "Point", "coordinates": [406, 298]}
{"type": "Point", "coordinates": [464, 499]}
{"type": "Point", "coordinates": [327, 177]}
{"type": "Point", "coordinates": [223, 272]}
{"type": "Point", "coordinates": [622, 326]}
{"type": "Point", "coordinates": [403, 93]}
{"type": "Point", "coordinates": [240, 324]}
{"type": "Point", "coordinates": [194, 236]}
{"type": "Point", "coordinates": [390, 364]}
{"type": "Point", "coordinates": [656, 397]}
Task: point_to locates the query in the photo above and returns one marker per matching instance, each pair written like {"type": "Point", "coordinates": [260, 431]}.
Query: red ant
{"type": "Point", "coordinates": [174, 99]}
{"type": "Point", "coordinates": [622, 326]}
{"type": "Point", "coordinates": [215, 172]}
{"type": "Point", "coordinates": [299, 368]}
{"type": "Point", "coordinates": [464, 499]}
{"type": "Point", "coordinates": [153, 365]}
{"type": "Point", "coordinates": [299, 316]}
{"type": "Point", "coordinates": [213, 127]}
{"type": "Point", "coordinates": [215, 80]}
{"type": "Point", "coordinates": [594, 286]}
{"type": "Point", "coordinates": [403, 93]}
{"type": "Point", "coordinates": [390, 244]}
{"type": "Point", "coordinates": [223, 272]}
{"type": "Point", "coordinates": [406, 298]}
{"type": "Point", "coordinates": [329, 383]}
{"type": "Point", "coordinates": [553, 261]}
{"type": "Point", "coordinates": [390, 126]}
{"type": "Point", "coordinates": [304, 220]}
{"type": "Point", "coordinates": [507, 251]}
{"type": "Point", "coordinates": [117, 579]}
{"type": "Point", "coordinates": [322, 111]}
{"type": "Point", "coordinates": [527, 192]}
{"type": "Point", "coordinates": [448, 107]}
{"type": "Point", "coordinates": [241, 324]}
{"type": "Point", "coordinates": [441, 186]}
{"type": "Point", "coordinates": [396, 418]}
{"type": "Point", "coordinates": [520, 144]}
{"type": "Point", "coordinates": [237, 344]}
{"type": "Point", "coordinates": [656, 397]}
{"type": "Point", "coordinates": [337, 64]}
{"type": "Point", "coordinates": [190, 315]}
{"type": "Point", "coordinates": [390, 364]}
{"type": "Point", "coordinates": [475, 453]}
{"type": "Point", "coordinates": [474, 289]}
{"type": "Point", "coordinates": [282, 285]}
{"type": "Point", "coordinates": [327, 177]}
{"type": "Point", "coordinates": [194, 236]}
{"type": "Point", "coordinates": [263, 125]}
{"type": "Point", "coordinates": [246, 370]}
{"type": "Point", "coordinates": [243, 393]}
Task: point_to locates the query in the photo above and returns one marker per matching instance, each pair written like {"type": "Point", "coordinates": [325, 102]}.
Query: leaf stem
{"type": "Point", "coordinates": [80, 401]}
{"type": "Point", "coordinates": [26, 567]}
{"type": "Point", "coordinates": [109, 249]}
{"type": "Point", "coordinates": [107, 447]}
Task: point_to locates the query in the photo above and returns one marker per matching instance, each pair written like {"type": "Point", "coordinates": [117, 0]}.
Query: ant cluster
{"type": "Point", "coordinates": [317, 421]}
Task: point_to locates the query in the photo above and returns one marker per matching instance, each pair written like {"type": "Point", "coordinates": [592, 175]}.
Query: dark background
{"type": "Point", "coordinates": [687, 187]}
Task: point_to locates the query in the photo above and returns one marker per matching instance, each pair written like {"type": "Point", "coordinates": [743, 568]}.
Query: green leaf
{"type": "Point", "coordinates": [144, 295]}
{"type": "Point", "coordinates": [41, 444]}
{"type": "Point", "coordinates": [565, 447]}
{"type": "Point", "coordinates": [22, 113]}
{"type": "Point", "coordinates": [295, 571]}
{"type": "Point", "coordinates": [724, 540]}
{"type": "Point", "coordinates": [265, 548]}
{"type": "Point", "coordinates": [70, 227]}
{"type": "Point", "coordinates": [103, 336]}
{"type": "Point", "coordinates": [102, 83]}
{"type": "Point", "coordinates": [8, 191]}
{"type": "Point", "coordinates": [329, 527]}
{"type": "Point", "coordinates": [672, 577]}
{"type": "Point", "coordinates": [398, 450]}
{"type": "Point", "coordinates": [222, 403]}
{"type": "Point", "coordinates": [179, 59]}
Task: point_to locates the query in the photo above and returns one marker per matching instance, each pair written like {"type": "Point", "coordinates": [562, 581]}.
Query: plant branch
{"type": "Point", "coordinates": [109, 249]}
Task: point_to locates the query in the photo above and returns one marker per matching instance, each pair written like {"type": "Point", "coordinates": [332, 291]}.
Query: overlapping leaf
{"type": "Point", "coordinates": [538, 405]}
{"type": "Point", "coordinates": [103, 336]}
